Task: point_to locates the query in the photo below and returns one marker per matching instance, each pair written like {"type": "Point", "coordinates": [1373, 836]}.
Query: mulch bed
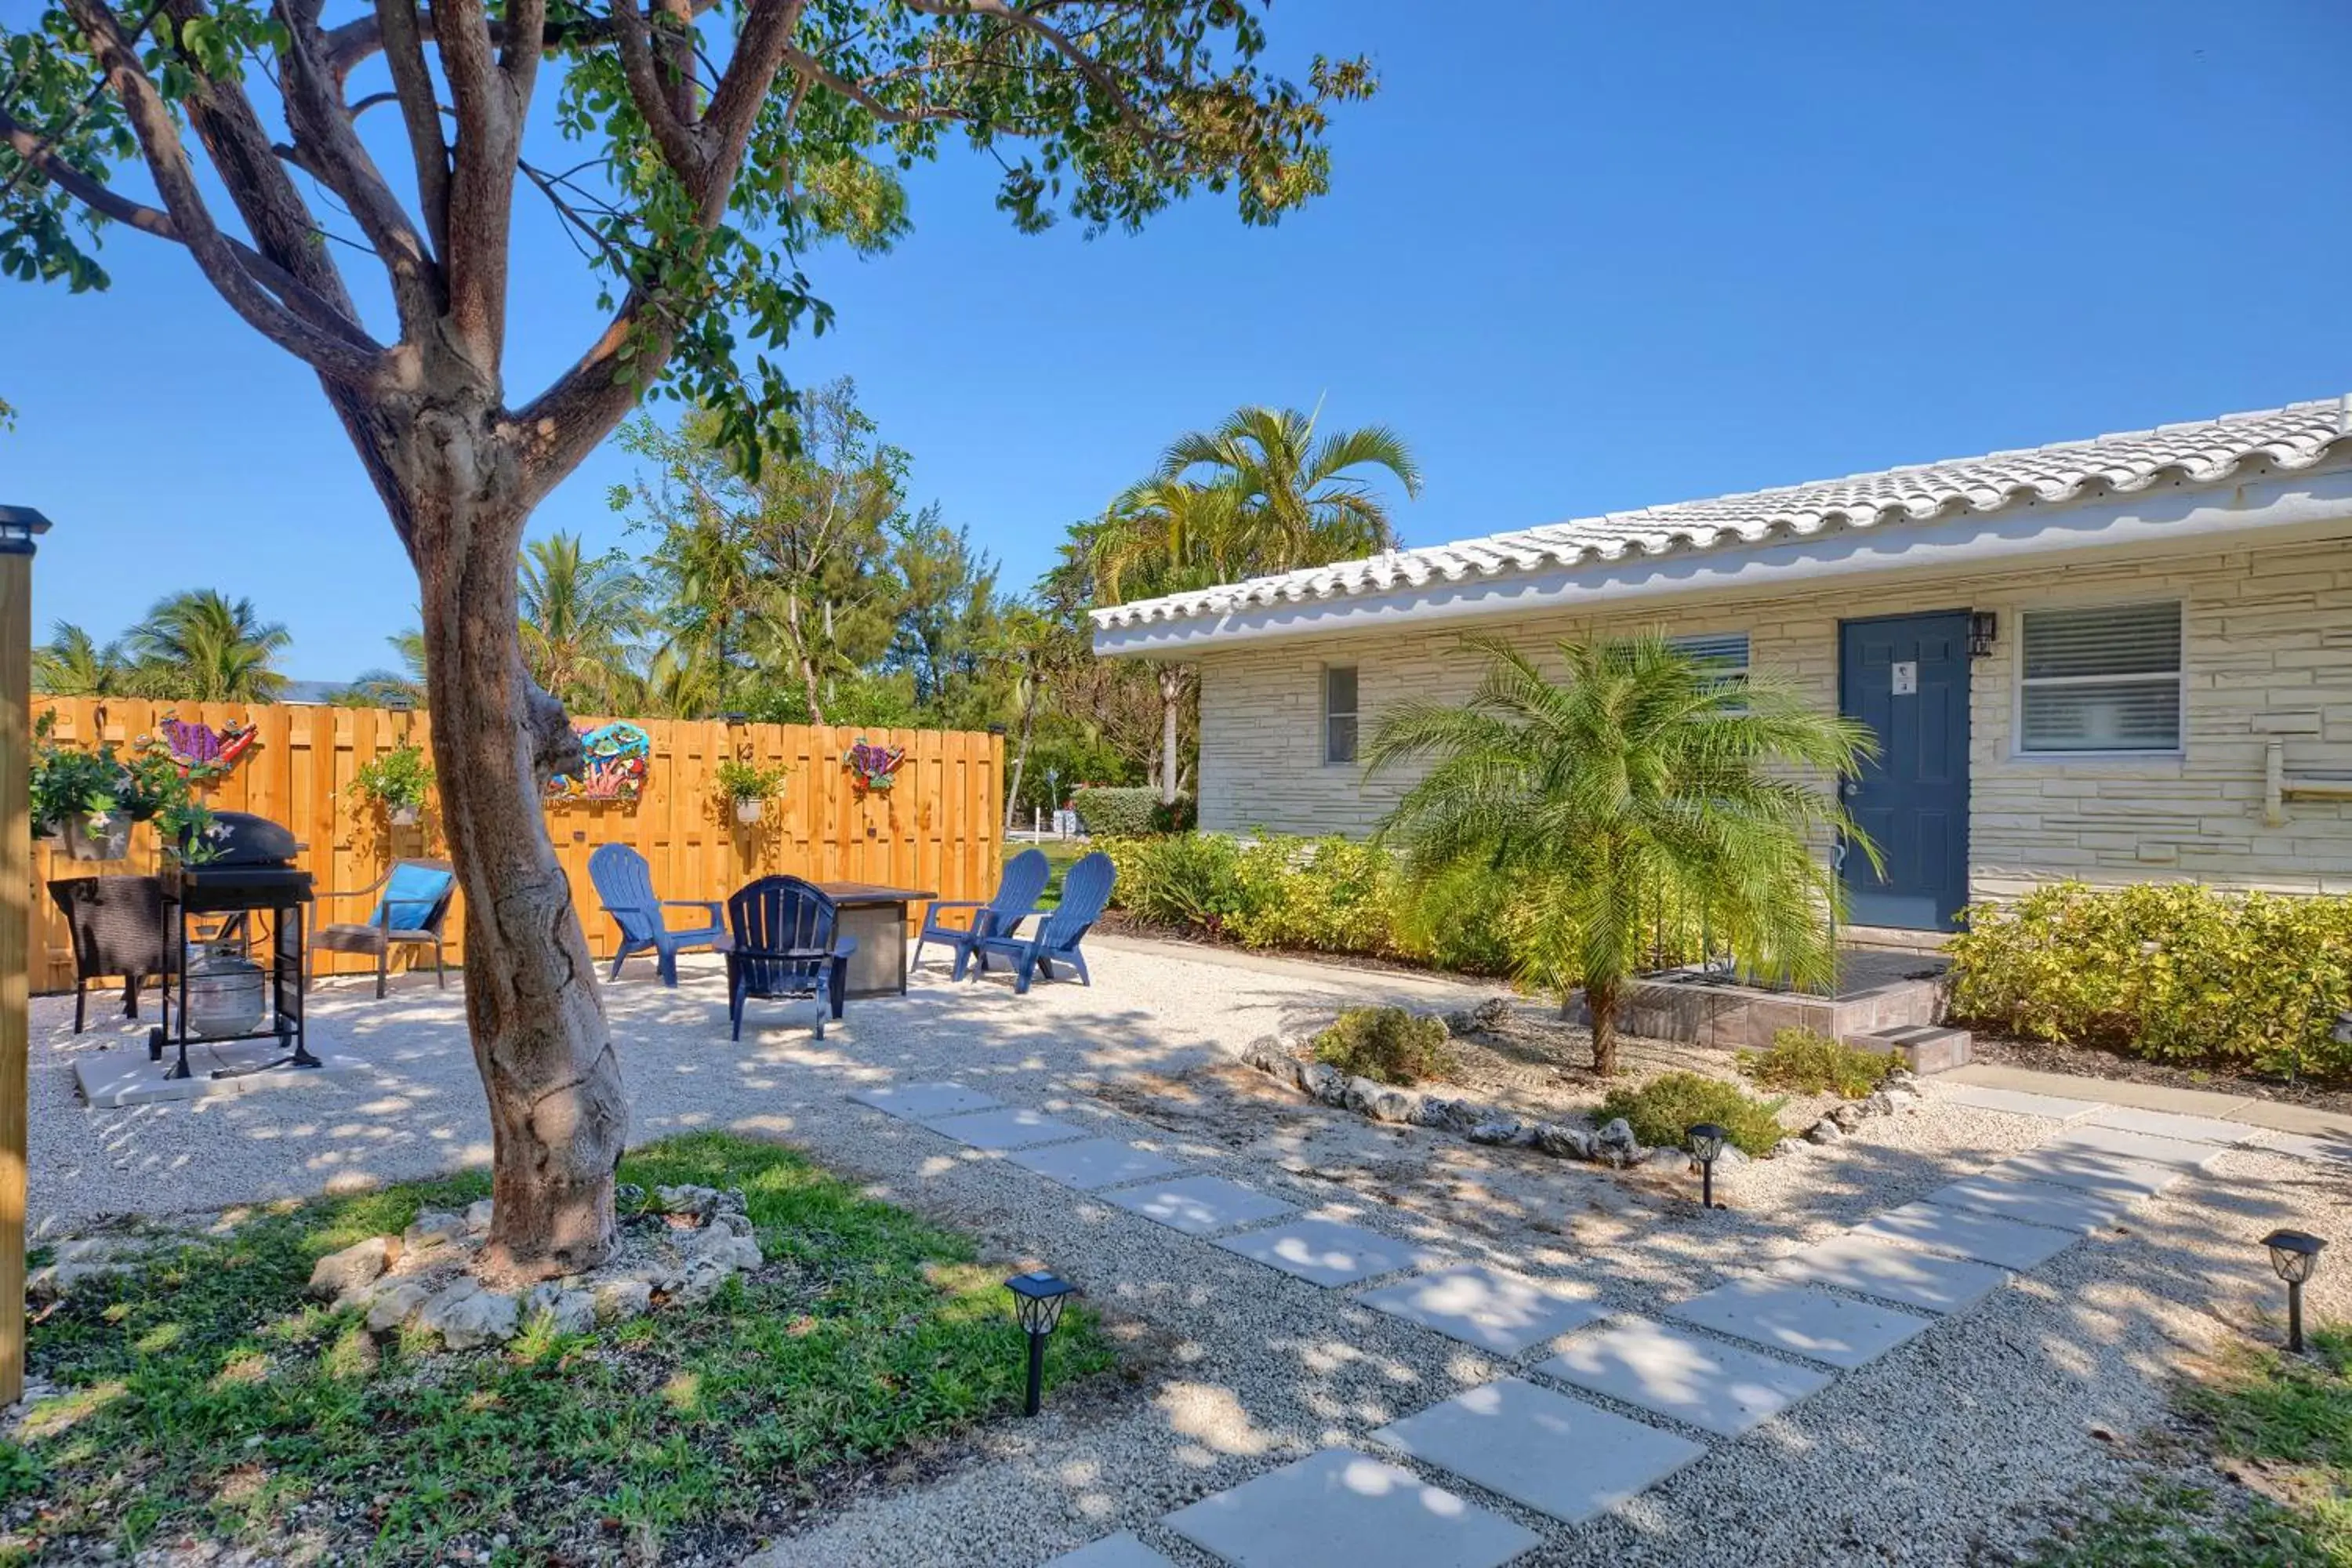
{"type": "Point", "coordinates": [2090, 1061]}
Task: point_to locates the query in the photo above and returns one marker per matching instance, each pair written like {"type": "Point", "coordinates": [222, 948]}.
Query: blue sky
{"type": "Point", "coordinates": [1582, 256]}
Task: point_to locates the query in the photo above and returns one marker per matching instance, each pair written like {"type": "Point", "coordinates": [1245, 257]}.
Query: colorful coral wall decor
{"type": "Point", "coordinates": [619, 757]}
{"type": "Point", "coordinates": [199, 751]}
{"type": "Point", "coordinates": [872, 766]}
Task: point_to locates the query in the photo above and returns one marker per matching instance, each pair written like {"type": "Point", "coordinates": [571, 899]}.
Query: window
{"type": "Point", "coordinates": [1724, 653]}
{"type": "Point", "coordinates": [2106, 678]}
{"type": "Point", "coordinates": [1339, 713]}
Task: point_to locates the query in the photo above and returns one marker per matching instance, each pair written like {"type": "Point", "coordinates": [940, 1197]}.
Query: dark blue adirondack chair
{"type": "Point", "coordinates": [625, 887]}
{"type": "Point", "coordinates": [1086, 889]}
{"type": "Point", "coordinates": [1025, 879]}
{"type": "Point", "coordinates": [782, 944]}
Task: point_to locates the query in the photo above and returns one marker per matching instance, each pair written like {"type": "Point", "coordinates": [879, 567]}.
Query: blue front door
{"type": "Point", "coordinates": [1906, 676]}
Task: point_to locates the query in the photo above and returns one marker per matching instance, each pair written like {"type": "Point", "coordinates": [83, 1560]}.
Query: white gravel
{"type": "Point", "coordinates": [1951, 1449]}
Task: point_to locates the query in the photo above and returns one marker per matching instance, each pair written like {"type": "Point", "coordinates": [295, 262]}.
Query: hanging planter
{"type": "Point", "coordinates": [403, 815]}
{"type": "Point", "coordinates": [873, 767]}
{"type": "Point", "coordinates": [397, 782]}
{"type": "Point", "coordinates": [98, 836]}
{"type": "Point", "coordinates": [749, 787]}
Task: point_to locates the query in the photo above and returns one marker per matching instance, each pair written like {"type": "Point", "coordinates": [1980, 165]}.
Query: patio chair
{"type": "Point", "coordinates": [782, 944]}
{"type": "Point", "coordinates": [1018, 892]}
{"type": "Point", "coordinates": [1086, 890]}
{"type": "Point", "coordinates": [412, 902]}
{"type": "Point", "coordinates": [624, 885]}
{"type": "Point", "coordinates": [118, 928]}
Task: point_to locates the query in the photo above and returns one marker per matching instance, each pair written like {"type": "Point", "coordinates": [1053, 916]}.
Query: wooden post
{"type": "Point", "coordinates": [18, 525]}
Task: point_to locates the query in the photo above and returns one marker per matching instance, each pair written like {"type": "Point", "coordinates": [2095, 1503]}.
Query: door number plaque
{"type": "Point", "coordinates": [1906, 676]}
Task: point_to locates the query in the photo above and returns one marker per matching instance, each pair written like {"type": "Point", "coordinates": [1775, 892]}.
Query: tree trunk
{"type": "Point", "coordinates": [1172, 698]}
{"type": "Point", "coordinates": [1020, 754]}
{"type": "Point", "coordinates": [1601, 1000]}
{"type": "Point", "coordinates": [801, 657]}
{"type": "Point", "coordinates": [558, 1118]}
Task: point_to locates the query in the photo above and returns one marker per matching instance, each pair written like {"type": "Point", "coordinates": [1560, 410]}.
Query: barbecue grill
{"type": "Point", "coordinates": [251, 880]}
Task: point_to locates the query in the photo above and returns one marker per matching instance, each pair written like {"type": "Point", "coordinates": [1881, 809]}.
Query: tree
{"type": "Point", "coordinates": [206, 647]}
{"type": "Point", "coordinates": [402, 688]}
{"type": "Point", "coordinates": [75, 664]}
{"type": "Point", "coordinates": [944, 620]}
{"type": "Point", "coordinates": [1034, 649]}
{"type": "Point", "coordinates": [578, 616]}
{"type": "Point", "coordinates": [1298, 500]}
{"type": "Point", "coordinates": [1642, 778]}
{"type": "Point", "coordinates": [725, 139]}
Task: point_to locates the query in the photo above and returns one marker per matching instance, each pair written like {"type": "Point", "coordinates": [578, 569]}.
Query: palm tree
{"type": "Point", "coordinates": [1303, 502]}
{"type": "Point", "coordinates": [1644, 779]}
{"type": "Point", "coordinates": [402, 688]}
{"type": "Point", "coordinates": [74, 664]}
{"type": "Point", "coordinates": [206, 647]}
{"type": "Point", "coordinates": [579, 616]}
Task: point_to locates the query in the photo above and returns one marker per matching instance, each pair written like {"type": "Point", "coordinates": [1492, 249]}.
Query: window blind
{"type": "Point", "coordinates": [2103, 677]}
{"type": "Point", "coordinates": [1340, 713]}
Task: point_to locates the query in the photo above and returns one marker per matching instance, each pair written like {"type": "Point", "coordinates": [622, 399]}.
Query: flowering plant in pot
{"type": "Point", "coordinates": [85, 801]}
{"type": "Point", "coordinates": [397, 782]}
{"type": "Point", "coordinates": [749, 787]}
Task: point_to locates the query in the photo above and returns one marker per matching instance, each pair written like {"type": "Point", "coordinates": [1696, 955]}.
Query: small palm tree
{"type": "Point", "coordinates": [72, 663]}
{"type": "Point", "coordinates": [208, 648]}
{"type": "Point", "coordinates": [1642, 779]}
{"type": "Point", "coordinates": [579, 613]}
{"type": "Point", "coordinates": [1306, 501]}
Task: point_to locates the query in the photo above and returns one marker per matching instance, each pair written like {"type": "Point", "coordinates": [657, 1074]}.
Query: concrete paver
{"type": "Point", "coordinates": [1094, 1162]}
{"type": "Point", "coordinates": [1962, 1233]}
{"type": "Point", "coordinates": [1199, 1205]}
{"type": "Point", "coordinates": [1489, 1307]}
{"type": "Point", "coordinates": [1802, 1321]}
{"type": "Point", "coordinates": [1341, 1508]}
{"type": "Point", "coordinates": [1718, 1388]}
{"type": "Point", "coordinates": [1326, 1251]}
{"type": "Point", "coordinates": [1870, 1267]}
{"type": "Point", "coordinates": [1545, 1450]}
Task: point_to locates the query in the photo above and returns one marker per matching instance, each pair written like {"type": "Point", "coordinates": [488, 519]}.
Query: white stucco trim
{"type": "Point", "coordinates": [2312, 503]}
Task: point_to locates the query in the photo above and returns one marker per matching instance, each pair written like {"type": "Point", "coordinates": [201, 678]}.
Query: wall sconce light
{"type": "Point", "coordinates": [1984, 626]}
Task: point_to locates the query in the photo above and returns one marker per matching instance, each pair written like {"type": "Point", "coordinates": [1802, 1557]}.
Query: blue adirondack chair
{"type": "Point", "coordinates": [1086, 889]}
{"type": "Point", "coordinates": [781, 943]}
{"type": "Point", "coordinates": [625, 886]}
{"type": "Point", "coordinates": [1025, 879]}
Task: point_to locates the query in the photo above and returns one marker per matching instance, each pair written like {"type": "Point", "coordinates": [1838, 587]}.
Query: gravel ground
{"type": "Point", "coordinates": [1954, 1448]}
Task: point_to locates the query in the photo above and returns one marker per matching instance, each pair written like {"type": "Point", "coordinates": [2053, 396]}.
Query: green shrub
{"type": "Point", "coordinates": [1662, 1112]}
{"type": "Point", "coordinates": [1389, 1045]}
{"type": "Point", "coordinates": [1120, 811]}
{"type": "Point", "coordinates": [1179, 879]}
{"type": "Point", "coordinates": [1182, 816]}
{"type": "Point", "coordinates": [2173, 971]}
{"type": "Point", "coordinates": [1807, 1063]}
{"type": "Point", "coordinates": [1328, 895]}
{"type": "Point", "coordinates": [1460, 919]}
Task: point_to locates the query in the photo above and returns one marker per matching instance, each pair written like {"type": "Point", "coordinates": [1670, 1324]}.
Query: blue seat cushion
{"type": "Point", "coordinates": [410, 896]}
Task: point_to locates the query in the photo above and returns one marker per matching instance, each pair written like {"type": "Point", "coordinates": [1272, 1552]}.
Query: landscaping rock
{"type": "Point", "coordinates": [1485, 1019]}
{"type": "Point", "coordinates": [617, 1299]}
{"type": "Point", "coordinates": [1824, 1132]}
{"type": "Point", "coordinates": [734, 1223]}
{"type": "Point", "coordinates": [1501, 1129]}
{"type": "Point", "coordinates": [698, 1204]}
{"type": "Point", "coordinates": [478, 1214]}
{"type": "Point", "coordinates": [1325, 1083]}
{"type": "Point", "coordinates": [344, 1274]}
{"type": "Point", "coordinates": [628, 1196]}
{"type": "Point", "coordinates": [1268, 1054]}
{"type": "Point", "coordinates": [570, 1312]}
{"type": "Point", "coordinates": [467, 1316]}
{"type": "Point", "coordinates": [394, 1303]}
{"type": "Point", "coordinates": [1879, 1104]}
{"type": "Point", "coordinates": [1905, 1093]}
{"type": "Point", "coordinates": [1731, 1159]}
{"type": "Point", "coordinates": [1616, 1144]}
{"type": "Point", "coordinates": [704, 1277]}
{"type": "Point", "coordinates": [1561, 1141]}
{"type": "Point", "coordinates": [433, 1228]}
{"type": "Point", "coordinates": [1670, 1162]}
{"type": "Point", "coordinates": [1848, 1116]}
{"type": "Point", "coordinates": [1382, 1102]}
{"type": "Point", "coordinates": [56, 1281]}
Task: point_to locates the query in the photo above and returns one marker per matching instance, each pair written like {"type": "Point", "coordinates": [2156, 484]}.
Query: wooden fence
{"type": "Point", "coordinates": [938, 830]}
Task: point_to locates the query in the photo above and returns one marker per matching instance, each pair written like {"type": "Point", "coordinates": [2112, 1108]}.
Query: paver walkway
{"type": "Point", "coordinates": [1548, 1440]}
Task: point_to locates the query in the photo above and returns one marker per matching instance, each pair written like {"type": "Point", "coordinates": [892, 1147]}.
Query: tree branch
{"type": "Point", "coordinates": [680, 149]}
{"type": "Point", "coordinates": [1028, 21]}
{"type": "Point", "coordinates": [809, 70]}
{"type": "Point", "coordinates": [490, 108]}
{"type": "Point", "coordinates": [412, 81]}
{"type": "Point", "coordinates": [331, 354]}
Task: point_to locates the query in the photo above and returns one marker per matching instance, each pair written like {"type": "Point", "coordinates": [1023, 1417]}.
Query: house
{"type": "Point", "coordinates": [2121, 659]}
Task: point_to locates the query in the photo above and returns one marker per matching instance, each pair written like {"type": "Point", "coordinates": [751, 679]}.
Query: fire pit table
{"type": "Point", "coordinates": [876, 917]}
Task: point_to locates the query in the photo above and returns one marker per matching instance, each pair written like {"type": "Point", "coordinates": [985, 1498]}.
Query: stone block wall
{"type": "Point", "coordinates": [2268, 656]}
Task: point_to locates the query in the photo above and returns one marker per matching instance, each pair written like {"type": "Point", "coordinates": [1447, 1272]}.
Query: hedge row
{"type": "Point", "coordinates": [1118, 811]}
{"type": "Point", "coordinates": [2172, 971]}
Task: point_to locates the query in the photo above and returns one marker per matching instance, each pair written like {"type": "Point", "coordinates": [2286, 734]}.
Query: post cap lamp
{"type": "Point", "coordinates": [19, 527]}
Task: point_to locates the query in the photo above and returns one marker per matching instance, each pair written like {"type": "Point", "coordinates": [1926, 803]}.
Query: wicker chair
{"type": "Point", "coordinates": [413, 904]}
{"type": "Point", "coordinates": [118, 928]}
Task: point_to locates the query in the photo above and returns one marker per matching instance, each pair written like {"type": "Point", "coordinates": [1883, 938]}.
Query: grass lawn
{"type": "Point", "coordinates": [2281, 1423]}
{"type": "Point", "coordinates": [208, 1397]}
{"type": "Point", "coordinates": [1061, 854]}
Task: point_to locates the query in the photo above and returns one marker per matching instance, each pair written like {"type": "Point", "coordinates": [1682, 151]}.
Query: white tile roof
{"type": "Point", "coordinates": [2205, 452]}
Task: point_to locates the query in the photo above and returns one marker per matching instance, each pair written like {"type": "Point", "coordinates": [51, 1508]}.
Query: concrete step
{"type": "Point", "coordinates": [1924, 1048]}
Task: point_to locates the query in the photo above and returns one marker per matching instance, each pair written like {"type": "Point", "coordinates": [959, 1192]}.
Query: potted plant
{"type": "Point", "coordinates": [397, 782]}
{"type": "Point", "coordinates": [86, 801]}
{"type": "Point", "coordinates": [748, 786]}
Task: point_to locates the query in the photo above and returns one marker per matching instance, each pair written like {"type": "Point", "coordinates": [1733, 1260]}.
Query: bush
{"type": "Point", "coordinates": [2172, 971]}
{"type": "Point", "coordinates": [1807, 1063]}
{"type": "Point", "coordinates": [1327, 895]}
{"type": "Point", "coordinates": [1182, 816]}
{"type": "Point", "coordinates": [1120, 811]}
{"type": "Point", "coordinates": [1662, 1112]}
{"type": "Point", "coordinates": [1179, 879]}
{"type": "Point", "coordinates": [1389, 1045]}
